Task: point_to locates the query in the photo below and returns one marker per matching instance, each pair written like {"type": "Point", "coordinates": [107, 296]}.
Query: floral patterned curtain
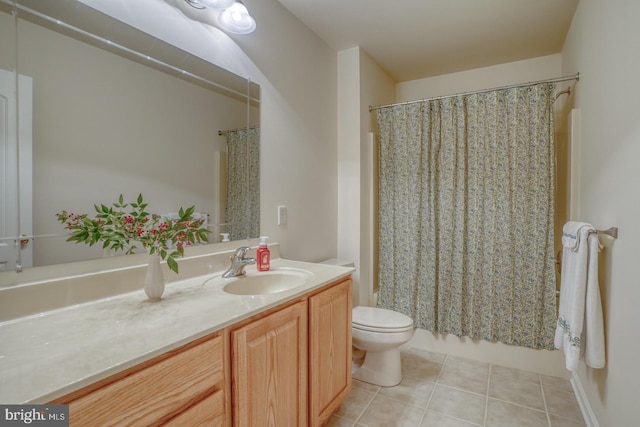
{"type": "Point", "coordinates": [243, 183]}
{"type": "Point", "coordinates": [467, 212]}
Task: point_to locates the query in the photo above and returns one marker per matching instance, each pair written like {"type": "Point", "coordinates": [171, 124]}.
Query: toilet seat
{"type": "Point", "coordinates": [380, 320]}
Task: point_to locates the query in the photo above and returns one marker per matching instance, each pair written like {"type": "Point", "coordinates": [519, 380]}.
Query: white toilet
{"type": "Point", "coordinates": [379, 333]}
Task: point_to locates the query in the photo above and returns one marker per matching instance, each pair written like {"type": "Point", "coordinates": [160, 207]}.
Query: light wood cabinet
{"type": "Point", "coordinates": [272, 385]}
{"type": "Point", "coordinates": [269, 369]}
{"type": "Point", "coordinates": [186, 384]}
{"type": "Point", "coordinates": [329, 351]}
{"type": "Point", "coordinates": [288, 366]}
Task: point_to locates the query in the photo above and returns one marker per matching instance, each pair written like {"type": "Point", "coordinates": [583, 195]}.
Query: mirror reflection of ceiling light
{"type": "Point", "coordinates": [236, 19]}
{"type": "Point", "coordinates": [216, 4]}
{"type": "Point", "coordinates": [233, 16]}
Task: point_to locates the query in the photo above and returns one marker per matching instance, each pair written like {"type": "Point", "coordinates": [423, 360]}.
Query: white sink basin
{"type": "Point", "coordinates": [268, 282]}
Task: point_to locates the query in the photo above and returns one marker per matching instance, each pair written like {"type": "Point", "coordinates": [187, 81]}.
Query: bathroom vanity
{"type": "Point", "coordinates": [201, 356]}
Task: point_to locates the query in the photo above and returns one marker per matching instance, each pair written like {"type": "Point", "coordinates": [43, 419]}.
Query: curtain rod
{"type": "Point", "coordinates": [557, 79]}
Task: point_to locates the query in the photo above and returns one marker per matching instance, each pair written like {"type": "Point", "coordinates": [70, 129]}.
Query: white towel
{"type": "Point", "coordinates": [571, 234]}
{"type": "Point", "coordinates": [580, 329]}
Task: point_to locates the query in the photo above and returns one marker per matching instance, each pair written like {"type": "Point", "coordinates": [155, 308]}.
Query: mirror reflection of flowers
{"type": "Point", "coordinates": [118, 228]}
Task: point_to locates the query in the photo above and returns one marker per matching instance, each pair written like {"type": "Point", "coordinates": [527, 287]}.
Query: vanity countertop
{"type": "Point", "coordinates": [48, 355]}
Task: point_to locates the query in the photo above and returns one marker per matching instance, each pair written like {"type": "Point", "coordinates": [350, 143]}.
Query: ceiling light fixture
{"type": "Point", "coordinates": [233, 15]}
{"type": "Point", "coordinates": [236, 19]}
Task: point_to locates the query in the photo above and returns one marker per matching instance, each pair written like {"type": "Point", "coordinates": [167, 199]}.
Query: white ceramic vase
{"type": "Point", "coordinates": [154, 280]}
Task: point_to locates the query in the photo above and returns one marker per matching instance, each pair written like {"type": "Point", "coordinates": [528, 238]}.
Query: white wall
{"type": "Point", "coordinates": [349, 162]}
{"type": "Point", "coordinates": [602, 45]}
{"type": "Point", "coordinates": [529, 70]}
{"type": "Point", "coordinates": [297, 74]}
{"type": "Point", "coordinates": [361, 82]}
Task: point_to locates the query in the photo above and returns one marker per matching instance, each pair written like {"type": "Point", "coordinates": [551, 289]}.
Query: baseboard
{"type": "Point", "coordinates": [585, 406]}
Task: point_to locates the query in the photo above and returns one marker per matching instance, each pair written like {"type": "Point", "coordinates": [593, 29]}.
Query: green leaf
{"type": "Point", "coordinates": [140, 198]}
{"type": "Point", "coordinates": [172, 264]}
{"type": "Point", "coordinates": [188, 214]}
{"type": "Point", "coordinates": [121, 199]}
{"type": "Point", "coordinates": [204, 234]}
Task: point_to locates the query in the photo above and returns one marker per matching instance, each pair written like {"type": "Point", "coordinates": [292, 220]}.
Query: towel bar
{"type": "Point", "coordinates": [613, 232]}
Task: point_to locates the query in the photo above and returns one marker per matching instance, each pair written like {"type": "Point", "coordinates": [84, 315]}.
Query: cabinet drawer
{"type": "Point", "coordinates": [209, 412]}
{"type": "Point", "coordinates": [157, 392]}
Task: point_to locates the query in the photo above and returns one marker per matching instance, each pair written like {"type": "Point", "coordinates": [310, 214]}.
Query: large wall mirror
{"type": "Point", "coordinates": [92, 108]}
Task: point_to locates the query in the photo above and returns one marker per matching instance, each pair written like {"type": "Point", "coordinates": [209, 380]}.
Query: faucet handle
{"type": "Point", "coordinates": [241, 252]}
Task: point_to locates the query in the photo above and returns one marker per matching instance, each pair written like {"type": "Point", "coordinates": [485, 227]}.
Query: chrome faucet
{"type": "Point", "coordinates": [238, 262]}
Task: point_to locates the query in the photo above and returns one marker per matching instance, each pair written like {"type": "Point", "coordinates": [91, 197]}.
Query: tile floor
{"type": "Point", "coordinates": [446, 391]}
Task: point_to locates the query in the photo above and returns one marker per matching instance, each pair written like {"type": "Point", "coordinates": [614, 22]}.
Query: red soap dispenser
{"type": "Point", "coordinates": [263, 255]}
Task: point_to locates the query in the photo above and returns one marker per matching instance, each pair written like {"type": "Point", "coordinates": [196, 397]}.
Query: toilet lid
{"type": "Point", "coordinates": [380, 319]}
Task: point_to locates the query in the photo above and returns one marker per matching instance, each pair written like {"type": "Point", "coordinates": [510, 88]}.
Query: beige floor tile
{"type": "Point", "coordinates": [419, 367]}
{"type": "Point", "coordinates": [411, 391]}
{"type": "Point", "coordinates": [515, 374]}
{"type": "Point", "coordinates": [386, 412]}
{"type": "Point", "coordinates": [339, 422]}
{"type": "Point", "coordinates": [522, 393]}
{"type": "Point", "coordinates": [557, 421]}
{"type": "Point", "coordinates": [562, 403]}
{"type": "Point", "coordinates": [434, 419]}
{"type": "Point", "coordinates": [557, 383]}
{"type": "Point", "coordinates": [425, 354]}
{"type": "Point", "coordinates": [371, 388]}
{"type": "Point", "coordinates": [475, 380]}
{"type": "Point", "coordinates": [467, 363]}
{"type": "Point", "coordinates": [354, 404]}
{"type": "Point", "coordinates": [459, 404]}
{"type": "Point", "coordinates": [446, 391]}
{"type": "Point", "coordinates": [503, 414]}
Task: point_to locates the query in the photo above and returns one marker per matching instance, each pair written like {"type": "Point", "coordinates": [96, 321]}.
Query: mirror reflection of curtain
{"type": "Point", "coordinates": [243, 183]}
{"type": "Point", "coordinates": [467, 214]}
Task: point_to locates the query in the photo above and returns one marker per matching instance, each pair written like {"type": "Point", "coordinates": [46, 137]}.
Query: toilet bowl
{"type": "Point", "coordinates": [377, 334]}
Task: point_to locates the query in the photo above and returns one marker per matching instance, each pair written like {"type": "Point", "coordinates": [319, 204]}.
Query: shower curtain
{"type": "Point", "coordinates": [466, 214]}
{"type": "Point", "coordinates": [243, 183]}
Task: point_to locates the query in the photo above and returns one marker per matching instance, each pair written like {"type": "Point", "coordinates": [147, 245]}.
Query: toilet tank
{"type": "Point", "coordinates": [339, 262]}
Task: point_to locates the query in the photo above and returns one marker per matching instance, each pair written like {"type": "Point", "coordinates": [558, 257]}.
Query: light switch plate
{"type": "Point", "coordinates": [282, 215]}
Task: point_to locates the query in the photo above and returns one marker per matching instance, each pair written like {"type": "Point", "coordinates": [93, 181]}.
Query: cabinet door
{"type": "Point", "coordinates": [329, 351]}
{"type": "Point", "coordinates": [269, 369]}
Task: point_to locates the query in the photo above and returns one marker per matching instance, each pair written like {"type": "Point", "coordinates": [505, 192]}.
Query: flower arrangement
{"type": "Point", "coordinates": [118, 229]}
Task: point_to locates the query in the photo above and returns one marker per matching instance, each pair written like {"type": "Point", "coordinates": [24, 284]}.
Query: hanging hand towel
{"type": "Point", "coordinates": [571, 234]}
{"type": "Point", "coordinates": [580, 329]}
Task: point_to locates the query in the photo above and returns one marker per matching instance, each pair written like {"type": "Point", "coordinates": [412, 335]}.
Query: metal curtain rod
{"type": "Point", "coordinates": [557, 79]}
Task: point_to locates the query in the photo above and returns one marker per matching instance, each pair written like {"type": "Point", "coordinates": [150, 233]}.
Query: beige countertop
{"type": "Point", "coordinates": [48, 355]}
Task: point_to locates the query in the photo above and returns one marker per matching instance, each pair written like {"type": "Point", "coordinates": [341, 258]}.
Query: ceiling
{"type": "Point", "coordinates": [412, 39]}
